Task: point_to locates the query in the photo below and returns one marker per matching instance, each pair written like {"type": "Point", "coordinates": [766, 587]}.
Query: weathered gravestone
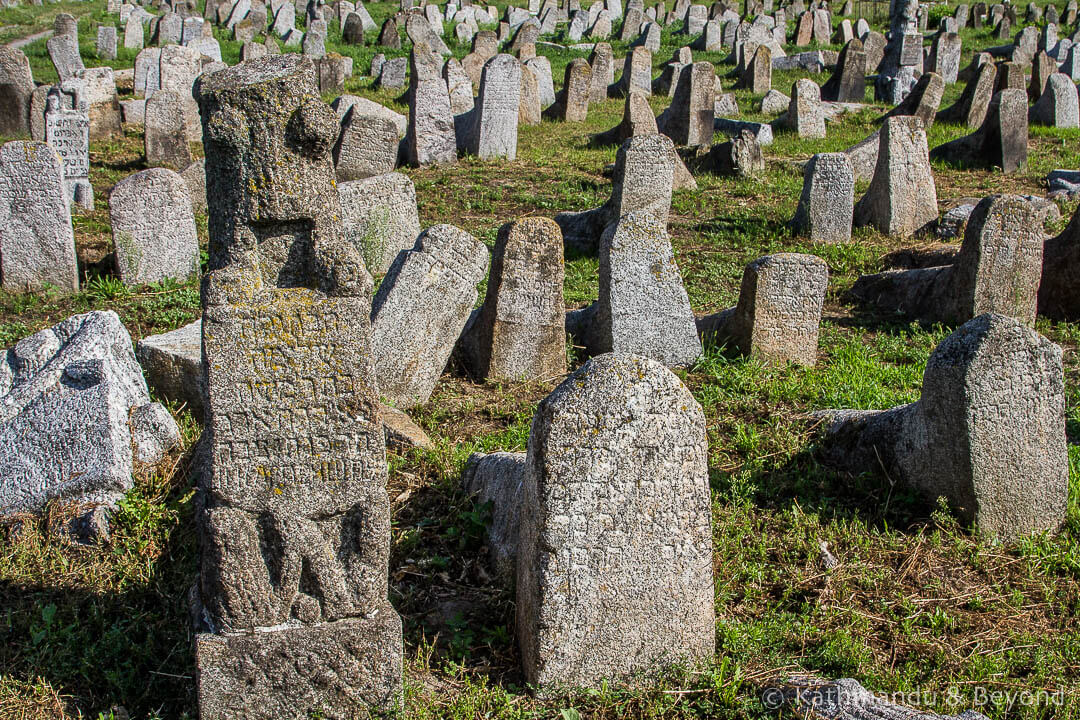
{"type": "Point", "coordinates": [997, 270]}
{"type": "Point", "coordinates": [133, 33]}
{"type": "Point", "coordinates": [572, 102]}
{"type": "Point", "coordinates": [37, 244]}
{"type": "Point", "coordinates": [636, 74]}
{"type": "Point", "coordinates": [902, 197]}
{"type": "Point", "coordinates": [903, 57]}
{"type": "Point", "coordinates": [757, 77]}
{"type": "Point", "coordinates": [945, 56]}
{"type": "Point", "coordinates": [1001, 140]}
{"type": "Point", "coordinates": [519, 332]}
{"type": "Point", "coordinates": [622, 439]}
{"type": "Point", "coordinates": [420, 310]}
{"type": "Point", "coordinates": [602, 63]}
{"type": "Point", "coordinates": [643, 307]}
{"type": "Point", "coordinates": [497, 478]}
{"type": "Point", "coordinates": [826, 206]}
{"type": "Point", "coordinates": [16, 88]}
{"type": "Point", "coordinates": [1058, 296]}
{"type": "Point", "coordinates": [68, 133]}
{"type": "Point", "coordinates": [430, 139]}
{"type": "Point", "coordinates": [153, 228]}
{"type": "Point", "coordinates": [644, 168]}
{"type": "Point", "coordinates": [64, 53]}
{"type": "Point", "coordinates": [848, 82]}
{"type": "Point", "coordinates": [541, 67]}
{"type": "Point", "coordinates": [988, 433]}
{"type": "Point", "coordinates": [392, 73]}
{"type": "Point", "coordinates": [379, 217]}
{"type": "Point", "coordinates": [1042, 67]}
{"type": "Point", "coordinates": [971, 108]}
{"type": "Point", "coordinates": [1059, 105]}
{"type": "Point", "coordinates": [923, 101]}
{"type": "Point", "coordinates": [368, 145]}
{"type": "Point", "coordinates": [165, 135]}
{"type": "Point", "coordinates": [805, 115]}
{"type": "Point", "coordinates": [494, 124]}
{"type": "Point", "coordinates": [741, 156]}
{"type": "Point", "coordinates": [529, 107]}
{"type": "Point", "coordinates": [779, 309]}
{"type": "Point", "coordinates": [295, 525]}
{"type": "Point", "coordinates": [105, 47]}
{"type": "Point", "coordinates": [147, 72]}
{"type": "Point", "coordinates": [688, 121]}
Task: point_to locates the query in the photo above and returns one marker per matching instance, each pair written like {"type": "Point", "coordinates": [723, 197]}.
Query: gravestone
{"type": "Point", "coordinates": [923, 101]}
{"type": "Point", "coordinates": [688, 121]}
{"type": "Point", "coordinates": [997, 270]}
{"type": "Point", "coordinates": [1001, 140]}
{"type": "Point", "coordinates": [389, 36]}
{"type": "Point", "coordinates": [1058, 298]}
{"type": "Point", "coordinates": [805, 115]}
{"type": "Point", "coordinates": [874, 47]}
{"type": "Point", "coordinates": [165, 134]}
{"type": "Point", "coordinates": [392, 73]}
{"type": "Point", "coordinates": [496, 478]}
{"type": "Point", "coordinates": [741, 156]}
{"type": "Point", "coordinates": [37, 246]}
{"type": "Point", "coordinates": [1042, 67]}
{"type": "Point", "coordinates": [987, 433]}
{"type": "Point", "coordinates": [757, 77]}
{"type": "Point", "coordinates": [946, 56]}
{"type": "Point", "coordinates": [636, 74]}
{"type": "Point", "coordinates": [420, 310]}
{"type": "Point", "coordinates": [903, 58]}
{"type": "Point", "coordinates": [68, 133]}
{"type": "Point", "coordinates": [367, 146]}
{"type": "Point", "coordinates": [602, 63]}
{"type": "Point", "coordinates": [519, 332]}
{"type": "Point", "coordinates": [286, 293]}
{"type": "Point", "coordinates": [495, 118]}
{"type": "Point", "coordinates": [170, 29]}
{"type": "Point", "coordinates": [64, 53]}
{"type": "Point", "coordinates": [572, 102]}
{"type": "Point", "coordinates": [133, 33]}
{"type": "Point", "coordinates": [902, 197]}
{"type": "Point", "coordinates": [179, 67]}
{"type": "Point", "coordinates": [1059, 105]}
{"type": "Point", "coordinates": [147, 72]}
{"type": "Point", "coordinates": [106, 42]}
{"type": "Point", "coordinates": [826, 206]}
{"type": "Point", "coordinates": [353, 31]}
{"type": "Point", "coordinates": [634, 593]}
{"type": "Point", "coordinates": [430, 139]}
{"type": "Point", "coordinates": [970, 109]}
{"type": "Point", "coordinates": [529, 108]}
{"type": "Point", "coordinates": [779, 309]}
{"type": "Point", "coordinates": [379, 218]}
{"type": "Point", "coordinates": [16, 88]}
{"type": "Point", "coordinates": [848, 83]}
{"type": "Point", "coordinates": [153, 228]}
{"type": "Point", "coordinates": [462, 102]}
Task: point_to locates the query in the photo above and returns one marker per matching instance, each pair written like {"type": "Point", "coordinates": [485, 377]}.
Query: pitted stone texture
{"type": "Point", "coordinates": [153, 228]}
{"type": "Point", "coordinates": [1001, 140]}
{"type": "Point", "coordinates": [172, 364]}
{"type": "Point", "coordinates": [779, 310]}
{"type": "Point", "coordinates": [379, 217]}
{"type": "Point", "coordinates": [495, 117]}
{"type": "Point", "coordinates": [923, 101]}
{"type": "Point", "coordinates": [37, 243]}
{"type": "Point", "coordinates": [362, 106]}
{"type": "Point", "coordinates": [689, 119]}
{"type": "Point", "coordinates": [997, 270]}
{"type": "Point", "coordinates": [431, 139]}
{"type": "Point", "coordinates": [67, 422]}
{"type": "Point", "coordinates": [68, 133]}
{"type": "Point", "coordinates": [498, 478]}
{"type": "Point", "coordinates": [848, 81]}
{"type": "Point", "coordinates": [805, 115]}
{"type": "Point", "coordinates": [643, 307]}
{"type": "Point", "coordinates": [420, 310]}
{"type": "Point", "coordinates": [165, 131]}
{"type": "Point", "coordinates": [739, 156]}
{"type": "Point", "coordinates": [902, 197]}
{"type": "Point", "coordinates": [988, 433]}
{"type": "Point", "coordinates": [295, 525]}
{"type": "Point", "coordinates": [367, 146]}
{"type": "Point", "coordinates": [642, 180]}
{"type": "Point", "coordinates": [519, 332]}
{"type": "Point", "coordinates": [1059, 105]}
{"type": "Point", "coordinates": [971, 108]}
{"type": "Point", "coordinates": [572, 102]}
{"type": "Point", "coordinates": [541, 67]}
{"type": "Point", "coordinates": [614, 573]}
{"type": "Point", "coordinates": [826, 206]}
{"type": "Point", "coordinates": [64, 53]}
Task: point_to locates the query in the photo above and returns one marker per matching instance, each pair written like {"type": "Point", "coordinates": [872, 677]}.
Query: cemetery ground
{"type": "Point", "coordinates": [918, 603]}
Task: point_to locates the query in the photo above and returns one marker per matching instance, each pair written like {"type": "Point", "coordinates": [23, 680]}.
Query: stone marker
{"type": "Point", "coordinates": [389, 36]}
{"type": "Point", "coordinates": [75, 417]}
{"type": "Point", "coordinates": [497, 478]}
{"type": "Point", "coordinates": [902, 197]}
{"type": "Point", "coordinates": [757, 77]}
{"type": "Point", "coordinates": [133, 33]}
{"type": "Point", "coordinates": [367, 146]}
{"type": "Point", "coordinates": [945, 56]}
{"type": "Point", "coordinates": [106, 42]}
{"type": "Point", "coordinates": [826, 206]}
{"type": "Point", "coordinates": [602, 63]}
{"type": "Point", "coordinates": [64, 53]}
{"type": "Point", "coordinates": [779, 309]}
{"type": "Point", "coordinates": [1001, 140]}
{"type": "Point", "coordinates": [494, 127]}
{"type": "Point", "coordinates": [644, 168]}
{"type": "Point", "coordinates": [970, 109]}
{"type": "Point", "coordinates": [147, 72]}
{"type": "Point", "coordinates": [37, 244]}
{"type": "Point", "coordinates": [987, 433]}
{"type": "Point", "coordinates": [622, 439]}
{"type": "Point", "coordinates": [420, 310]}
{"type": "Point", "coordinates": [805, 115]}
{"type": "Point", "coordinates": [636, 74]}
{"type": "Point", "coordinates": [68, 133]}
{"type": "Point", "coordinates": [519, 332]}
{"type": "Point", "coordinates": [16, 88]}
{"type": "Point", "coordinates": [289, 374]}
{"type": "Point", "coordinates": [529, 108]}
{"type": "Point", "coordinates": [741, 156]}
{"type": "Point", "coordinates": [541, 67]}
{"type": "Point", "coordinates": [462, 103]}
{"type": "Point", "coordinates": [572, 102]}
{"type": "Point", "coordinates": [848, 83]}
{"type": "Point", "coordinates": [923, 101]}
{"type": "Point", "coordinates": [688, 121]}
{"type": "Point", "coordinates": [165, 135]}
{"type": "Point", "coordinates": [997, 270]}
{"type": "Point", "coordinates": [153, 228]}
{"type": "Point", "coordinates": [430, 139]}
{"type": "Point", "coordinates": [1059, 105]}
{"type": "Point", "coordinates": [1058, 298]}
{"type": "Point", "coordinates": [392, 73]}
{"type": "Point", "coordinates": [379, 217]}
{"type": "Point", "coordinates": [1042, 67]}
{"type": "Point", "coordinates": [172, 364]}
{"type": "Point", "coordinates": [643, 307]}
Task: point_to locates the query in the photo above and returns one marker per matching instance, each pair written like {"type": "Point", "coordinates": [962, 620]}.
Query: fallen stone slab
{"type": "Point", "coordinates": [762, 132]}
{"type": "Point", "coordinates": [172, 364]}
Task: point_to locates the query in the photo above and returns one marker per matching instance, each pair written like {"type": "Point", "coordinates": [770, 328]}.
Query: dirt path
{"type": "Point", "coordinates": [22, 42]}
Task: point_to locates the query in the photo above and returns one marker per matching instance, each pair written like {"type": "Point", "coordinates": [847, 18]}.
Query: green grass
{"type": "Point", "coordinates": [919, 602]}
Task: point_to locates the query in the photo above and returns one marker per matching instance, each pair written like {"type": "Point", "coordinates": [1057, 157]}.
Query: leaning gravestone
{"type": "Point", "coordinates": [987, 433]}
{"type": "Point", "coordinates": [997, 270]}
{"type": "Point", "coordinates": [902, 197]}
{"type": "Point", "coordinates": [624, 440]}
{"type": "Point", "coordinates": [1059, 105]}
{"type": "Point", "coordinates": [519, 332]}
{"type": "Point", "coordinates": [1058, 298]}
{"type": "Point", "coordinates": [848, 82]}
{"type": "Point", "coordinates": [165, 135]}
{"type": "Point", "coordinates": [1001, 140]}
{"type": "Point", "coordinates": [643, 307]}
{"type": "Point", "coordinates": [37, 245]}
{"type": "Point", "coordinates": [495, 116]}
{"type": "Point", "coordinates": [827, 202]}
{"type": "Point", "coordinates": [420, 310]}
{"type": "Point", "coordinates": [16, 88]}
{"type": "Point", "coordinates": [68, 133]}
{"type": "Point", "coordinates": [379, 217]}
{"type": "Point", "coordinates": [64, 53]}
{"type": "Point", "coordinates": [572, 102]}
{"type": "Point", "coordinates": [779, 309]}
{"type": "Point", "coordinates": [153, 228]}
{"type": "Point", "coordinates": [923, 100]}
{"type": "Point", "coordinates": [970, 109]}
{"type": "Point", "coordinates": [289, 375]}
{"type": "Point", "coordinates": [367, 146]}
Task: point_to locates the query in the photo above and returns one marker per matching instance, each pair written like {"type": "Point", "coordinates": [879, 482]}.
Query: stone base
{"type": "Point", "coordinates": [344, 669]}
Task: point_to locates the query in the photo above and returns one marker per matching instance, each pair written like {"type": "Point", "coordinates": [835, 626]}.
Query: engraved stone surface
{"type": "Point", "coordinates": [1001, 140]}
{"type": "Point", "coordinates": [848, 82]}
{"type": "Point", "coordinates": [988, 433]}
{"type": "Point", "coordinates": [153, 228]}
{"type": "Point", "coordinates": [614, 572]}
{"type": "Point", "coordinates": [172, 364]}
{"type": "Point", "coordinates": [165, 134]}
{"type": "Point", "coordinates": [37, 244]}
{"type": "Point", "coordinates": [495, 117]}
{"type": "Point", "coordinates": [367, 146]}
{"type": "Point", "coordinates": [519, 332]}
{"type": "Point", "coordinates": [1059, 105]}
{"type": "Point", "coordinates": [68, 133]}
{"type": "Point", "coordinates": [689, 119]}
{"type": "Point", "coordinates": [572, 102]}
{"type": "Point", "coordinates": [923, 101]}
{"type": "Point", "coordinates": [379, 217]}
{"type": "Point", "coordinates": [430, 139]}
{"type": "Point", "coordinates": [971, 108]}
{"type": "Point", "coordinates": [902, 197]}
{"type": "Point", "coordinates": [420, 310]}
{"type": "Point", "coordinates": [827, 203]}
{"type": "Point", "coordinates": [805, 115]}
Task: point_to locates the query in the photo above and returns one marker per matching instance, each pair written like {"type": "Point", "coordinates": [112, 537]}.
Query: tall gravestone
{"type": "Point", "coordinates": [624, 440]}
{"type": "Point", "coordinates": [689, 119]}
{"type": "Point", "coordinates": [1001, 140]}
{"type": "Point", "coordinates": [495, 117]}
{"type": "Point", "coordinates": [902, 197]}
{"type": "Point", "coordinates": [430, 139]}
{"type": "Point", "coordinates": [295, 522]}
{"type": "Point", "coordinates": [68, 132]}
{"type": "Point", "coordinates": [826, 205]}
{"type": "Point", "coordinates": [165, 136]}
{"type": "Point", "coordinates": [153, 228]}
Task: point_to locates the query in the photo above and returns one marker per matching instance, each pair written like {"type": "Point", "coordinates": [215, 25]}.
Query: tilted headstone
{"type": "Point", "coordinates": [623, 439]}
{"type": "Point", "coordinates": [572, 102]}
{"type": "Point", "coordinates": [1059, 105]}
{"type": "Point", "coordinates": [431, 139]}
{"type": "Point", "coordinates": [689, 119]}
{"type": "Point", "coordinates": [970, 109]}
{"type": "Point", "coordinates": [779, 309]}
{"type": "Point", "coordinates": [460, 89]}
{"type": "Point", "coordinates": [902, 197]}
{"type": "Point", "coordinates": [636, 74]}
{"type": "Point", "coordinates": [519, 332]}
{"type": "Point", "coordinates": [420, 310]}
{"type": "Point", "coordinates": [923, 101]}
{"type": "Point", "coordinates": [1001, 140]}
{"type": "Point", "coordinates": [379, 217]}
{"type": "Point", "coordinates": [997, 270]}
{"type": "Point", "coordinates": [37, 243]}
{"type": "Point", "coordinates": [826, 206]}
{"type": "Point", "coordinates": [285, 295]}
{"type": "Point", "coordinates": [68, 133]}
{"type": "Point", "coordinates": [153, 228]}
{"type": "Point", "coordinates": [987, 434]}
{"type": "Point", "coordinates": [1042, 67]}
{"type": "Point", "coordinates": [367, 146]}
{"type": "Point", "coordinates": [64, 53]}
{"type": "Point", "coordinates": [495, 117]}
{"type": "Point", "coordinates": [16, 88]}
{"type": "Point", "coordinates": [165, 131]}
{"type": "Point", "coordinates": [757, 77]}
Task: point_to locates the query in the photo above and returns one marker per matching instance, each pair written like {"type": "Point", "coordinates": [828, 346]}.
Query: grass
{"type": "Point", "coordinates": [918, 602]}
